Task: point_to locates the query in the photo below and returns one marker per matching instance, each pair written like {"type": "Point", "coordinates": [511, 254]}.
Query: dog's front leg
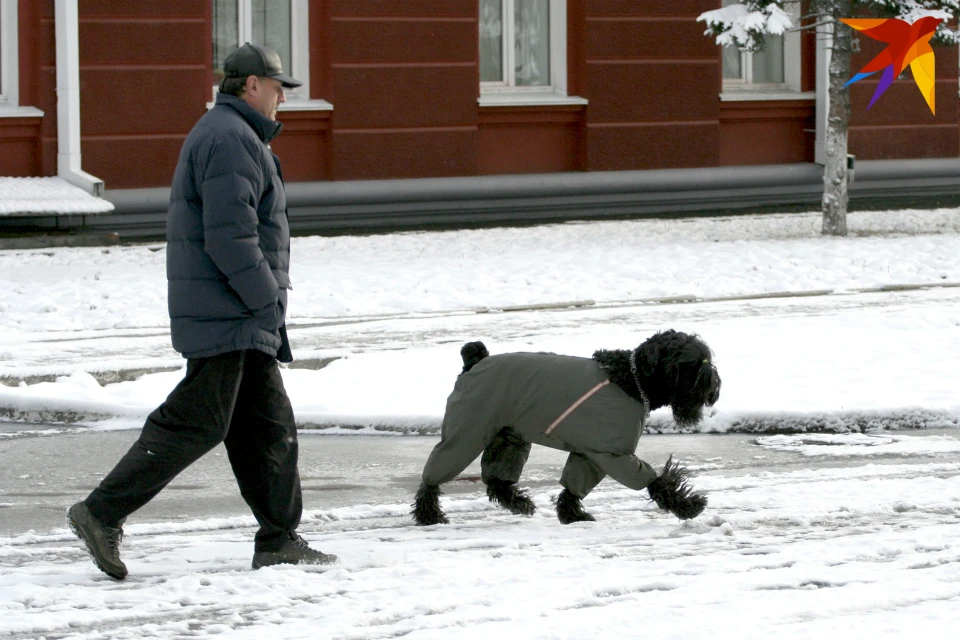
{"type": "Point", "coordinates": [580, 475]}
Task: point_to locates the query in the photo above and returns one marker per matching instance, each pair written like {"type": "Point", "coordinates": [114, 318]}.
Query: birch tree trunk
{"type": "Point", "coordinates": [835, 195]}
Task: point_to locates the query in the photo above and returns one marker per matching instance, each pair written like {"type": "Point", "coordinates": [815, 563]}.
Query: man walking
{"type": "Point", "coordinates": [228, 256]}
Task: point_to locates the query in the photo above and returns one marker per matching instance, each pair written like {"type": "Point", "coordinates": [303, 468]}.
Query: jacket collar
{"type": "Point", "coordinates": [265, 128]}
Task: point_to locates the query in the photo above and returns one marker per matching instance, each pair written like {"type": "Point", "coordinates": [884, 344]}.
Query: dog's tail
{"type": "Point", "coordinates": [472, 353]}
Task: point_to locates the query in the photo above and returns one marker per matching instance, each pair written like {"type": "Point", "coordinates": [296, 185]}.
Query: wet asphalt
{"type": "Point", "coordinates": [46, 468]}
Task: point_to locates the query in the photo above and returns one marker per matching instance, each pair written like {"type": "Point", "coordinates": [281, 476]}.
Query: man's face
{"type": "Point", "coordinates": [264, 95]}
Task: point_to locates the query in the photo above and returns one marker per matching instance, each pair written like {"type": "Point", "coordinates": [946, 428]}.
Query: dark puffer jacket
{"type": "Point", "coordinates": [228, 239]}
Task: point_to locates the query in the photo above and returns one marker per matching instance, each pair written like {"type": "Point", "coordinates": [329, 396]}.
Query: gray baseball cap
{"type": "Point", "coordinates": [257, 60]}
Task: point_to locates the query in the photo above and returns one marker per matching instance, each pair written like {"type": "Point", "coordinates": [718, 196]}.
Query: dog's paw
{"type": "Point", "coordinates": [508, 496]}
{"type": "Point", "coordinates": [671, 492]}
{"type": "Point", "coordinates": [570, 509]}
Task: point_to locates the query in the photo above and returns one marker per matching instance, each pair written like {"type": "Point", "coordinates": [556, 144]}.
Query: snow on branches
{"type": "Point", "coordinates": [745, 24]}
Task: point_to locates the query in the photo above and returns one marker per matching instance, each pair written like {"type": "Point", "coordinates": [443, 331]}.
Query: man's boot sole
{"type": "Point", "coordinates": [328, 559]}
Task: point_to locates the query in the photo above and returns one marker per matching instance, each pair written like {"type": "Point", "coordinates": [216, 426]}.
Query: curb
{"type": "Point", "coordinates": [739, 423]}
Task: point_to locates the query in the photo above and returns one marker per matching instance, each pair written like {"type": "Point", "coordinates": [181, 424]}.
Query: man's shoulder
{"type": "Point", "coordinates": [222, 127]}
{"type": "Point", "coordinates": [222, 118]}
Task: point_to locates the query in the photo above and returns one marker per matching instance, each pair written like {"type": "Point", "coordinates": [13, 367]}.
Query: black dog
{"type": "Point", "coordinates": [595, 408]}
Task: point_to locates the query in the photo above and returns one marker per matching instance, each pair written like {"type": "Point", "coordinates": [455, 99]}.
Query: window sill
{"type": "Point", "coordinates": [750, 95]}
{"type": "Point", "coordinates": [306, 105]}
{"type": "Point", "coordinates": [298, 105]}
{"type": "Point", "coordinates": [7, 111]}
{"type": "Point", "coordinates": [527, 99]}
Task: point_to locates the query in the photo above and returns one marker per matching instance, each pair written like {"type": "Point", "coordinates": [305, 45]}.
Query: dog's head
{"type": "Point", "coordinates": [679, 371]}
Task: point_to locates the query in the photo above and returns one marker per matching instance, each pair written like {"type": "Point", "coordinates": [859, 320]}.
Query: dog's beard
{"type": "Point", "coordinates": [687, 414]}
{"type": "Point", "coordinates": [700, 388]}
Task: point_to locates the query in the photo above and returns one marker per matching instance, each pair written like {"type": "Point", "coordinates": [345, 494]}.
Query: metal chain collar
{"type": "Point", "coordinates": [633, 370]}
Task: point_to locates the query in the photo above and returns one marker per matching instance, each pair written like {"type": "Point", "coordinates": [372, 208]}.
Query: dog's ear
{"type": "Point", "coordinates": [673, 373]}
{"type": "Point", "coordinates": [714, 394]}
{"type": "Point", "coordinates": [648, 354]}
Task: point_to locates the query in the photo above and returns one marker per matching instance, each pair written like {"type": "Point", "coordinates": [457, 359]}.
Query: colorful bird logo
{"type": "Point", "coordinates": [909, 44]}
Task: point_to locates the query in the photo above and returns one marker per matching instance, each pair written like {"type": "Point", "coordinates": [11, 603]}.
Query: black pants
{"type": "Point", "coordinates": [236, 398]}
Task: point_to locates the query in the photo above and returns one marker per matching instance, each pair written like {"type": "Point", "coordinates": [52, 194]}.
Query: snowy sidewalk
{"type": "Point", "coordinates": [860, 552]}
{"type": "Point", "coordinates": [806, 536]}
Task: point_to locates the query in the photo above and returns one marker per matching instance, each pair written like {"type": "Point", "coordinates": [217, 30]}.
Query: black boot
{"type": "Point", "coordinates": [294, 551]}
{"type": "Point", "coordinates": [103, 542]}
{"type": "Point", "coordinates": [508, 496]}
{"type": "Point", "coordinates": [426, 506]}
{"type": "Point", "coordinates": [570, 509]}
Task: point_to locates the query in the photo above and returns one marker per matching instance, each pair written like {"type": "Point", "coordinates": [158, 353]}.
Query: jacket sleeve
{"type": "Point", "coordinates": [626, 468]}
{"type": "Point", "coordinates": [231, 187]}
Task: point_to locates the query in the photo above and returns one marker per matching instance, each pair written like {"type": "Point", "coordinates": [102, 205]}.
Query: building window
{"type": "Point", "coordinates": [765, 67]}
{"type": "Point", "coordinates": [775, 71]}
{"type": "Point", "coordinates": [278, 24]}
{"type": "Point", "coordinates": [523, 52]}
{"type": "Point", "coordinates": [527, 62]}
{"type": "Point", "coordinates": [10, 65]}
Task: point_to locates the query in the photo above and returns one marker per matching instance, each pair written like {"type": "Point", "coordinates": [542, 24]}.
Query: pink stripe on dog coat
{"type": "Point", "coordinates": [576, 404]}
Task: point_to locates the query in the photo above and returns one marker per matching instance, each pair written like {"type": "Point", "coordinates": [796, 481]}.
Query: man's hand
{"type": "Point", "coordinates": [272, 315]}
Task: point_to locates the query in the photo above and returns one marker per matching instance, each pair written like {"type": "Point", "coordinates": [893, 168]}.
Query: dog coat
{"type": "Point", "coordinates": [507, 402]}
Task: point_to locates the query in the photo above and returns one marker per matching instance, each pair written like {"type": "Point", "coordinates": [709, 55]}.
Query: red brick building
{"type": "Point", "coordinates": [434, 88]}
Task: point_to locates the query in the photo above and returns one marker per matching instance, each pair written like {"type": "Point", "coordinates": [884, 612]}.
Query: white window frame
{"type": "Point", "coordinates": [741, 90]}
{"type": "Point", "coordinates": [502, 94]}
{"type": "Point", "coordinates": [9, 55]}
{"type": "Point", "coordinates": [10, 65]}
{"type": "Point", "coordinates": [298, 99]}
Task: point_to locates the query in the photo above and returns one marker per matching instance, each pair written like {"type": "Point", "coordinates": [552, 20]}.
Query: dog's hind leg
{"type": "Point", "coordinates": [454, 453]}
{"type": "Point", "coordinates": [470, 423]}
{"type": "Point", "coordinates": [500, 467]}
{"type": "Point", "coordinates": [426, 506]}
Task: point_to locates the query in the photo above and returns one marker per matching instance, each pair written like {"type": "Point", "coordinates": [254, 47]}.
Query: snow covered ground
{"type": "Point", "coordinates": [867, 550]}
{"type": "Point", "coordinates": [857, 538]}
